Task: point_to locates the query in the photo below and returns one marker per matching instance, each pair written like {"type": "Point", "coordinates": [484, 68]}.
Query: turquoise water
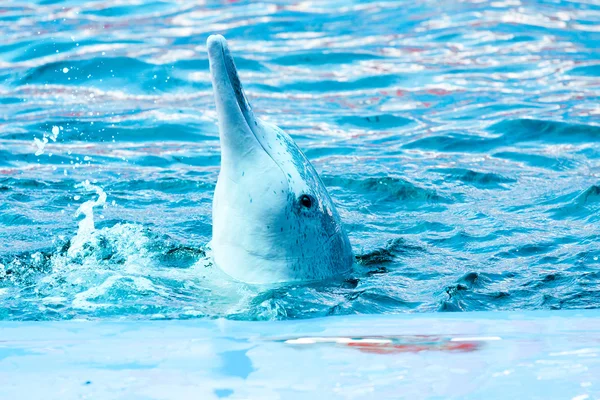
{"type": "Point", "coordinates": [459, 140]}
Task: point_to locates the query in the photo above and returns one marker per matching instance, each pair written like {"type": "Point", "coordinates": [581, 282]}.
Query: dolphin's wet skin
{"type": "Point", "coordinates": [273, 220]}
{"type": "Point", "coordinates": [432, 157]}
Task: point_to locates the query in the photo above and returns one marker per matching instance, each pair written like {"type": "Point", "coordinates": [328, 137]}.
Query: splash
{"type": "Point", "coordinates": [40, 144]}
{"type": "Point", "coordinates": [86, 225]}
{"type": "Point", "coordinates": [124, 269]}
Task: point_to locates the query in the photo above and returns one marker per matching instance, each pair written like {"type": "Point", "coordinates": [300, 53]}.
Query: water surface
{"type": "Point", "coordinates": [460, 141]}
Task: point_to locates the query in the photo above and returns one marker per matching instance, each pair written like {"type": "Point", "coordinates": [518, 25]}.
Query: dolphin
{"type": "Point", "coordinates": [273, 220]}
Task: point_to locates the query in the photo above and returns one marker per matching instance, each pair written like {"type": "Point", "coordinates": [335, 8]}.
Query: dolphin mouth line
{"type": "Point", "coordinates": [235, 84]}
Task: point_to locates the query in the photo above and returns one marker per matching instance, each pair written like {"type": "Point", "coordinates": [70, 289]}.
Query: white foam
{"type": "Point", "coordinates": [86, 225]}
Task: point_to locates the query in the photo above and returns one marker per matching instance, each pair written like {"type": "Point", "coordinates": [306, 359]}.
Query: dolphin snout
{"type": "Point", "coordinates": [215, 45]}
{"type": "Point", "coordinates": [236, 120]}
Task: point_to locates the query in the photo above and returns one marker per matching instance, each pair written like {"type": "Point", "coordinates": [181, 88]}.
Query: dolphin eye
{"type": "Point", "coordinates": [306, 201]}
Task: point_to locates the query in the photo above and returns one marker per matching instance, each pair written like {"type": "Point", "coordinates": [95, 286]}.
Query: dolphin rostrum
{"type": "Point", "coordinates": [273, 220]}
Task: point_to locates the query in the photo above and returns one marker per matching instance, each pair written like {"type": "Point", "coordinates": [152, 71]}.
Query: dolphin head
{"type": "Point", "coordinates": [273, 220]}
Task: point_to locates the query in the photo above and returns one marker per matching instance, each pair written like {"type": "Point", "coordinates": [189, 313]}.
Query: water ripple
{"type": "Point", "coordinates": [459, 140]}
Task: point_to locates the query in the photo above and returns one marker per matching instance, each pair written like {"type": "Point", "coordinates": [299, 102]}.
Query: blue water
{"type": "Point", "coordinates": [460, 141]}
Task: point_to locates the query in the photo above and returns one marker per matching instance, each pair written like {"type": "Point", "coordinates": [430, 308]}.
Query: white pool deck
{"type": "Point", "coordinates": [484, 355]}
